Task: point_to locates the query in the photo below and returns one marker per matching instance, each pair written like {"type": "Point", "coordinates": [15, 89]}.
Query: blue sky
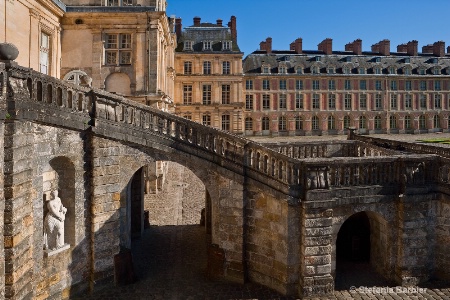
{"type": "Point", "coordinates": [400, 21]}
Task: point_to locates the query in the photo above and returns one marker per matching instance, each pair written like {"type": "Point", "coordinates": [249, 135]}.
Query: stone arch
{"type": "Point", "coordinates": [119, 83]}
{"type": "Point", "coordinates": [364, 238]}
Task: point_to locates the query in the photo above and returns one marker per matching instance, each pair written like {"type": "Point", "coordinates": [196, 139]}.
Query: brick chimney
{"type": "Point", "coordinates": [402, 48]}
{"type": "Point", "coordinates": [269, 45]}
{"type": "Point", "coordinates": [297, 46]}
{"type": "Point", "coordinates": [197, 21]}
{"type": "Point", "coordinates": [385, 47]}
{"type": "Point", "coordinates": [375, 48]}
{"type": "Point", "coordinates": [178, 27]}
{"type": "Point", "coordinates": [232, 25]}
{"type": "Point", "coordinates": [263, 46]}
{"type": "Point", "coordinates": [355, 47]}
{"type": "Point", "coordinates": [448, 49]}
{"type": "Point", "coordinates": [411, 48]}
{"type": "Point", "coordinates": [326, 46]}
{"type": "Point", "coordinates": [428, 49]}
{"type": "Point", "coordinates": [219, 22]}
{"type": "Point", "coordinates": [439, 49]}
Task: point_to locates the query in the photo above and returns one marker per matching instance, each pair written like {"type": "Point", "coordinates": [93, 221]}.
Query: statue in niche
{"type": "Point", "coordinates": [54, 223]}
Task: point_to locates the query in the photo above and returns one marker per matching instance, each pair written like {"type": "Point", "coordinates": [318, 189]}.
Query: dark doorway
{"type": "Point", "coordinates": [137, 204]}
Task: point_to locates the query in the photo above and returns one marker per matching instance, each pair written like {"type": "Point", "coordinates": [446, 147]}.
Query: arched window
{"type": "Point", "coordinates": [422, 122]}
{"type": "Point", "coordinates": [265, 124]}
{"type": "Point", "coordinates": [74, 76]}
{"type": "Point", "coordinates": [362, 122]}
{"type": "Point", "coordinates": [393, 122]}
{"type": "Point", "coordinates": [347, 122]}
{"type": "Point", "coordinates": [331, 123]}
{"type": "Point", "coordinates": [248, 124]}
{"type": "Point", "coordinates": [282, 123]}
{"type": "Point", "coordinates": [377, 122]}
{"type": "Point", "coordinates": [298, 123]}
{"type": "Point", "coordinates": [315, 123]}
{"type": "Point", "coordinates": [436, 122]}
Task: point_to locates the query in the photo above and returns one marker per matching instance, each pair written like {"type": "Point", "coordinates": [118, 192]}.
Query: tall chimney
{"type": "Point", "coordinates": [385, 47]}
{"type": "Point", "coordinates": [355, 47]}
{"type": "Point", "coordinates": [263, 46]}
{"type": "Point", "coordinates": [219, 22]}
{"type": "Point", "coordinates": [448, 50]}
{"type": "Point", "coordinates": [326, 46]}
{"type": "Point", "coordinates": [375, 48]}
{"type": "Point", "coordinates": [402, 48]}
{"type": "Point", "coordinates": [269, 45]}
{"type": "Point", "coordinates": [439, 49]}
{"type": "Point", "coordinates": [297, 46]}
{"type": "Point", "coordinates": [427, 49]}
{"type": "Point", "coordinates": [178, 27]}
{"type": "Point", "coordinates": [232, 25]}
{"type": "Point", "coordinates": [411, 48]}
{"type": "Point", "coordinates": [197, 21]}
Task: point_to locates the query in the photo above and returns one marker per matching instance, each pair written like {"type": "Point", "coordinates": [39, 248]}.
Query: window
{"type": "Point", "coordinates": [266, 69]}
{"type": "Point", "coordinates": [407, 122]}
{"type": "Point", "coordinates": [44, 54]}
{"type": "Point", "coordinates": [187, 67]}
{"type": "Point", "coordinates": [226, 45]}
{"type": "Point", "coordinates": [266, 101]}
{"type": "Point", "coordinates": [436, 71]}
{"type": "Point", "coordinates": [206, 45]}
{"type": "Point", "coordinates": [266, 84]}
{"type": "Point", "coordinates": [282, 69]}
{"type": "Point", "coordinates": [206, 120]}
{"type": "Point", "coordinates": [265, 123]}
{"type": "Point", "coordinates": [423, 85]}
{"type": "Point", "coordinates": [206, 96]}
{"type": "Point", "coordinates": [378, 102]}
{"type": "Point", "coordinates": [75, 77]}
{"type": "Point", "coordinates": [362, 122]}
{"type": "Point", "coordinates": [394, 101]}
{"type": "Point", "coordinates": [249, 84]}
{"type": "Point", "coordinates": [378, 85]}
{"type": "Point", "coordinates": [436, 122]}
{"type": "Point", "coordinates": [393, 85]}
{"type": "Point", "coordinates": [299, 71]}
{"type": "Point", "coordinates": [298, 123]}
{"type": "Point", "coordinates": [377, 122]}
{"type": "Point", "coordinates": [437, 85]}
{"type": "Point", "coordinates": [407, 71]}
{"type": "Point", "coordinates": [422, 71]}
{"type": "Point", "coordinates": [330, 70]}
{"type": "Point", "coordinates": [408, 85]}
{"type": "Point", "coordinates": [282, 84]}
{"type": "Point", "coordinates": [249, 102]}
{"type": "Point", "coordinates": [315, 101]}
{"type": "Point", "coordinates": [348, 101]}
{"type": "Point", "coordinates": [392, 70]}
{"type": "Point", "coordinates": [282, 123]}
{"type": "Point", "coordinates": [393, 122]}
{"type": "Point", "coordinates": [187, 117]}
{"type": "Point", "coordinates": [118, 49]}
{"type": "Point", "coordinates": [346, 70]}
{"type": "Point", "coordinates": [226, 93]}
{"type": "Point", "coordinates": [315, 84]}
{"type": "Point", "coordinates": [207, 67]}
{"type": "Point", "coordinates": [362, 85]}
{"type": "Point", "coordinates": [226, 122]}
{"type": "Point", "coordinates": [408, 101]}
{"type": "Point", "coordinates": [299, 84]}
{"type": "Point", "coordinates": [331, 84]}
{"type": "Point", "coordinates": [315, 70]}
{"type": "Point", "coordinates": [315, 123]}
{"type": "Point", "coordinates": [331, 123]}
{"type": "Point", "coordinates": [362, 71]}
{"type": "Point", "coordinates": [347, 122]}
{"type": "Point", "coordinates": [188, 46]}
{"type": "Point", "coordinates": [437, 101]}
{"type": "Point", "coordinates": [362, 101]}
{"type": "Point", "coordinates": [347, 84]}
{"type": "Point", "coordinates": [423, 101]}
{"type": "Point", "coordinates": [377, 70]}
{"type": "Point", "coordinates": [187, 94]}
{"type": "Point", "coordinates": [226, 67]}
{"type": "Point", "coordinates": [299, 101]}
{"type": "Point", "coordinates": [282, 102]}
{"type": "Point", "coordinates": [422, 122]}
{"type": "Point", "coordinates": [331, 101]}
{"type": "Point", "coordinates": [248, 123]}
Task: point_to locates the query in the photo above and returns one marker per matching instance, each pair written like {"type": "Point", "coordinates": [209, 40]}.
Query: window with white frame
{"type": "Point", "coordinates": [299, 70]}
{"type": "Point", "coordinates": [226, 67]}
{"type": "Point", "coordinates": [206, 120]}
{"type": "Point", "coordinates": [265, 69]}
{"type": "Point", "coordinates": [407, 122]}
{"type": "Point", "coordinates": [422, 122]}
{"type": "Point", "coordinates": [266, 101]}
{"type": "Point", "coordinates": [315, 70]}
{"type": "Point", "coordinates": [346, 122]}
{"type": "Point", "coordinates": [283, 101]}
{"type": "Point", "coordinates": [226, 122]}
{"type": "Point", "coordinates": [378, 102]}
{"type": "Point", "coordinates": [282, 69]}
{"type": "Point", "coordinates": [407, 71]}
{"type": "Point", "coordinates": [266, 84]}
{"type": "Point", "coordinates": [299, 101]}
{"type": "Point", "coordinates": [436, 122]}
{"type": "Point", "coordinates": [408, 101]}
{"type": "Point", "coordinates": [187, 67]}
{"type": "Point", "coordinates": [299, 84]}
{"type": "Point", "coordinates": [422, 71]}
{"type": "Point", "coordinates": [187, 94]}
{"type": "Point", "coordinates": [282, 123]}
{"type": "Point", "coordinates": [265, 123]}
{"type": "Point", "coordinates": [347, 85]}
{"type": "Point", "coordinates": [298, 123]}
{"type": "Point", "coordinates": [347, 101]}
{"type": "Point", "coordinates": [377, 70]}
{"type": "Point", "coordinates": [119, 3]}
{"type": "Point", "coordinates": [362, 71]}
{"type": "Point", "coordinates": [315, 123]}
{"type": "Point", "coordinates": [187, 46]}
{"type": "Point", "coordinates": [315, 84]}
{"type": "Point", "coordinates": [226, 45]}
{"type": "Point", "coordinates": [226, 94]}
{"type": "Point", "coordinates": [377, 122]}
{"type": "Point", "coordinates": [408, 85]}
{"type": "Point", "coordinates": [331, 84]}
{"type": "Point", "coordinates": [392, 70]}
{"type": "Point", "coordinates": [378, 85]}
{"type": "Point", "coordinates": [249, 102]}
{"type": "Point", "coordinates": [363, 84]}
{"type": "Point", "coordinates": [44, 53]}
{"type": "Point", "coordinates": [331, 101]}
{"type": "Point", "coordinates": [118, 49]}
{"type": "Point", "coordinates": [362, 122]}
{"type": "Point", "coordinates": [207, 45]}
{"type": "Point", "coordinates": [423, 101]}
{"type": "Point", "coordinates": [249, 84]}
{"type": "Point", "coordinates": [188, 117]}
{"type": "Point", "coordinates": [330, 70]}
{"type": "Point", "coordinates": [207, 67]}
{"type": "Point", "coordinates": [331, 123]}
{"type": "Point", "coordinates": [283, 84]}
{"type": "Point", "coordinates": [393, 122]}
{"type": "Point", "coordinates": [206, 94]}
{"type": "Point", "coordinates": [436, 71]}
{"type": "Point", "coordinates": [248, 123]}
{"type": "Point", "coordinates": [394, 102]}
{"type": "Point", "coordinates": [393, 85]}
{"type": "Point", "coordinates": [362, 101]}
{"type": "Point", "coordinates": [346, 70]}
{"type": "Point", "coordinates": [437, 101]}
{"type": "Point", "coordinates": [437, 85]}
{"type": "Point", "coordinates": [74, 77]}
{"type": "Point", "coordinates": [423, 85]}
{"type": "Point", "coordinates": [315, 101]}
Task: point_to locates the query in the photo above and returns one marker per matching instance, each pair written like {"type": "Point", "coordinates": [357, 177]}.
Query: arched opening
{"type": "Point", "coordinates": [362, 251]}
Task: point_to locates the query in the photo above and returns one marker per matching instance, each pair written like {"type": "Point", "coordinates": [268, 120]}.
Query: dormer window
{"type": "Point", "coordinates": [188, 46]}
{"type": "Point", "coordinates": [377, 59]}
{"type": "Point", "coordinates": [422, 71]}
{"type": "Point", "coordinates": [282, 69]}
{"type": "Point", "coordinates": [362, 71]}
{"type": "Point", "coordinates": [330, 70]}
{"type": "Point", "coordinates": [407, 71]}
{"type": "Point", "coordinates": [392, 70]}
{"type": "Point", "coordinates": [315, 70]}
{"type": "Point", "coordinates": [436, 71]}
{"type": "Point", "coordinates": [407, 60]}
{"type": "Point", "coordinates": [317, 58]}
{"type": "Point", "coordinates": [346, 70]}
{"type": "Point", "coordinates": [434, 60]}
{"type": "Point", "coordinates": [265, 69]}
{"type": "Point", "coordinates": [299, 70]}
{"type": "Point", "coordinates": [348, 59]}
{"type": "Point", "coordinates": [207, 45]}
{"type": "Point", "coordinates": [226, 45]}
{"type": "Point", "coordinates": [377, 70]}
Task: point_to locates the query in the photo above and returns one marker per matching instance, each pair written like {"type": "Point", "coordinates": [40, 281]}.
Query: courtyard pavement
{"type": "Point", "coordinates": [170, 262]}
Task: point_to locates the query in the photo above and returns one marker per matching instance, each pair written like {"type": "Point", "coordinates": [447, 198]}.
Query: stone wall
{"type": "Point", "coordinates": [442, 255]}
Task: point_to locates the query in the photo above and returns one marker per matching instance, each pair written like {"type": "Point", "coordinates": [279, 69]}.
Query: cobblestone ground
{"type": "Point", "coordinates": [170, 262]}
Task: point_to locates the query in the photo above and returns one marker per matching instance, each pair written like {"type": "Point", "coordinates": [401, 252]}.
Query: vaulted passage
{"type": "Point", "coordinates": [361, 251]}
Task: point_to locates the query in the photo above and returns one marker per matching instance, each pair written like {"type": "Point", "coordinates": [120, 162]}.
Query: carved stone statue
{"type": "Point", "coordinates": [54, 223]}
